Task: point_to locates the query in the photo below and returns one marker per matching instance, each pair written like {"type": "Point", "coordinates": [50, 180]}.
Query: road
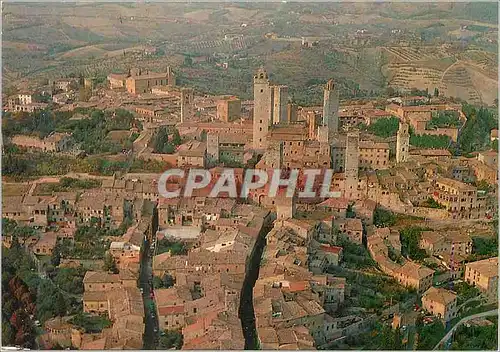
{"type": "Point", "coordinates": [151, 321]}
{"type": "Point", "coordinates": [466, 319]}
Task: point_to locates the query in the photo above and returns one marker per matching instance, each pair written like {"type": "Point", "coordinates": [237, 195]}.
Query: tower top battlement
{"type": "Point", "coordinates": [261, 74]}
{"type": "Point", "coordinates": [330, 85]}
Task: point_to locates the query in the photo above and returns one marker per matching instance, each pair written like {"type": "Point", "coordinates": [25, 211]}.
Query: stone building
{"type": "Point", "coordinates": [414, 275]}
{"type": "Point", "coordinates": [372, 155]}
{"type": "Point", "coordinates": [331, 108]}
{"type": "Point", "coordinates": [228, 109]}
{"type": "Point", "coordinates": [117, 81]}
{"type": "Point", "coordinates": [187, 104]}
{"type": "Point", "coordinates": [459, 198]}
{"type": "Point", "coordinates": [280, 101]}
{"type": "Point", "coordinates": [192, 154]}
{"type": "Point", "coordinates": [138, 82]}
{"type": "Point", "coordinates": [402, 143]}
{"type": "Point", "coordinates": [441, 303]}
{"type": "Point", "coordinates": [484, 275]}
{"type": "Point", "coordinates": [262, 113]}
{"type": "Point", "coordinates": [292, 112]}
{"type": "Point", "coordinates": [19, 99]}
{"type": "Point", "coordinates": [55, 142]}
{"type": "Point", "coordinates": [351, 166]}
{"type": "Point", "coordinates": [285, 207]}
{"type": "Point", "coordinates": [226, 147]}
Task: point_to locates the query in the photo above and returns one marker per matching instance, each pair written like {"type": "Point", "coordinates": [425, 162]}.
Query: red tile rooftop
{"type": "Point", "coordinates": [171, 310]}
{"type": "Point", "coordinates": [298, 286]}
{"type": "Point", "coordinates": [331, 249]}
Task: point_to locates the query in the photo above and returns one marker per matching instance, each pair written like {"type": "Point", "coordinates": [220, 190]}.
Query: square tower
{"type": "Point", "coordinates": [274, 155]}
{"type": "Point", "coordinates": [262, 109]}
{"type": "Point", "coordinates": [402, 143]}
{"type": "Point", "coordinates": [187, 104]}
{"type": "Point", "coordinates": [280, 101]}
{"type": "Point", "coordinates": [331, 108]}
{"type": "Point", "coordinates": [213, 147]}
{"type": "Point", "coordinates": [285, 206]}
{"type": "Point", "coordinates": [351, 165]}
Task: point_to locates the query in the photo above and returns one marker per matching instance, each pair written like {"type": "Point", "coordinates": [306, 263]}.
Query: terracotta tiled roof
{"type": "Point", "coordinates": [331, 249]}
{"type": "Point", "coordinates": [439, 295]}
{"type": "Point", "coordinates": [171, 310]}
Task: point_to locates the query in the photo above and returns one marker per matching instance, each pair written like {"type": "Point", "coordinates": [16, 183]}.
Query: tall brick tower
{"type": "Point", "coordinates": [187, 104]}
{"type": "Point", "coordinates": [331, 109]}
{"type": "Point", "coordinates": [351, 165]}
{"type": "Point", "coordinates": [402, 143]}
{"type": "Point", "coordinates": [280, 104]}
{"type": "Point", "coordinates": [262, 109]}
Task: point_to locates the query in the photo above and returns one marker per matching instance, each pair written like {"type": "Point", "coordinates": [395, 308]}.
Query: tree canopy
{"type": "Point", "coordinates": [386, 127]}
{"type": "Point", "coordinates": [383, 218]}
{"type": "Point", "coordinates": [475, 135]}
{"type": "Point", "coordinates": [165, 143]}
{"type": "Point", "coordinates": [171, 339]}
{"type": "Point", "coordinates": [410, 239]}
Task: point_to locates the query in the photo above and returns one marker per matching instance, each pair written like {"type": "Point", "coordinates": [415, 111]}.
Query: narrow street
{"type": "Point", "coordinates": [246, 310]}
{"type": "Point", "coordinates": [150, 339]}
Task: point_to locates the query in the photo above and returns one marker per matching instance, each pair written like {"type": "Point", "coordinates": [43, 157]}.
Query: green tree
{"type": "Point", "coordinates": [8, 226]}
{"type": "Point", "coordinates": [476, 338]}
{"type": "Point", "coordinates": [486, 247]}
{"type": "Point", "coordinates": [7, 334]}
{"type": "Point", "coordinates": [175, 247]}
{"type": "Point", "coordinates": [70, 280]}
{"type": "Point", "coordinates": [385, 127]}
{"type": "Point", "coordinates": [350, 212]}
{"type": "Point", "coordinates": [50, 302]}
{"type": "Point", "coordinates": [429, 335]}
{"type": "Point", "coordinates": [475, 135]}
{"type": "Point", "coordinates": [176, 137]}
{"type": "Point", "coordinates": [23, 233]}
{"type": "Point", "coordinates": [90, 323]}
{"type": "Point", "coordinates": [444, 119]}
{"type": "Point", "coordinates": [171, 339]}
{"type": "Point", "coordinates": [430, 141]}
{"type": "Point", "coordinates": [383, 218]}
{"type": "Point", "coordinates": [157, 282]}
{"type": "Point", "coordinates": [494, 145]}
{"type": "Point", "coordinates": [436, 92]}
{"type": "Point", "coordinates": [410, 240]}
{"type": "Point", "coordinates": [168, 281]}
{"type": "Point", "coordinates": [110, 264]}
{"type": "Point", "coordinates": [431, 203]}
{"type": "Point", "coordinates": [55, 258]}
{"type": "Point", "coordinates": [188, 61]}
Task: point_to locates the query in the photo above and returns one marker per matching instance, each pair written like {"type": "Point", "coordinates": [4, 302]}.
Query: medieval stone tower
{"type": "Point", "coordinates": [274, 155]}
{"type": "Point", "coordinates": [402, 143]}
{"type": "Point", "coordinates": [262, 109]}
{"type": "Point", "coordinates": [187, 104]}
{"type": "Point", "coordinates": [322, 134]}
{"type": "Point", "coordinates": [351, 165]}
{"type": "Point", "coordinates": [285, 207]}
{"type": "Point", "coordinates": [331, 109]}
{"type": "Point", "coordinates": [213, 147]}
{"type": "Point", "coordinates": [280, 102]}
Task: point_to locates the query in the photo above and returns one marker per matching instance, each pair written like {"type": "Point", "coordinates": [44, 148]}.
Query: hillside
{"type": "Point", "coordinates": [365, 46]}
